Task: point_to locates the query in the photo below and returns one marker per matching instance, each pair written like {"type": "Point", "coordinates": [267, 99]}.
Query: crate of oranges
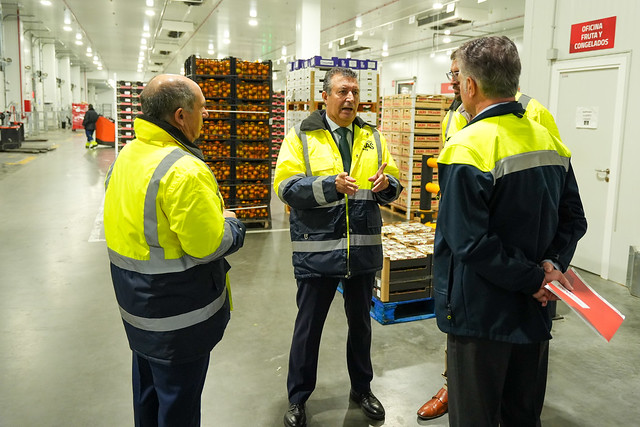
{"type": "Point", "coordinates": [213, 67]}
{"type": "Point", "coordinates": [253, 70]}
{"type": "Point", "coordinates": [219, 129]}
{"type": "Point", "coordinates": [252, 170]}
{"type": "Point", "coordinates": [252, 130]}
{"type": "Point", "coordinates": [252, 150]}
{"type": "Point", "coordinates": [218, 110]}
{"type": "Point", "coordinates": [253, 213]}
{"type": "Point", "coordinates": [254, 90]}
{"type": "Point", "coordinates": [221, 169]}
{"type": "Point", "coordinates": [215, 149]}
{"type": "Point", "coordinates": [253, 112]}
{"type": "Point", "coordinates": [252, 191]}
{"type": "Point", "coordinates": [215, 88]}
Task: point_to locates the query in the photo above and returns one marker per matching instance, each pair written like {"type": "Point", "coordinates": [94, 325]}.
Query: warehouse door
{"type": "Point", "coordinates": [588, 96]}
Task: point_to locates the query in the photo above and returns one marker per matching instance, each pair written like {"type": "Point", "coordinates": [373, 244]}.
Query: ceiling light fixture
{"type": "Point", "coordinates": [253, 22]}
{"type": "Point", "coordinates": [331, 45]}
{"type": "Point", "coordinates": [149, 12]}
{"type": "Point", "coordinates": [45, 2]}
{"type": "Point", "coordinates": [284, 51]}
{"type": "Point", "coordinates": [78, 36]}
{"type": "Point", "coordinates": [437, 6]}
{"type": "Point", "coordinates": [358, 22]}
{"type": "Point", "coordinates": [79, 42]}
{"type": "Point", "coordinates": [447, 32]}
{"type": "Point", "coordinates": [446, 40]}
{"type": "Point", "coordinates": [149, 3]}
{"type": "Point", "coordinates": [385, 53]}
{"type": "Point", "coordinates": [412, 19]}
{"type": "Point", "coordinates": [67, 28]}
{"type": "Point", "coordinates": [253, 13]}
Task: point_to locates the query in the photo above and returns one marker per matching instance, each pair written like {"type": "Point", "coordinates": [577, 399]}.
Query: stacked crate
{"type": "Point", "coordinates": [236, 137]}
{"type": "Point", "coordinates": [412, 125]}
{"type": "Point", "coordinates": [305, 81]}
{"type": "Point", "coordinates": [403, 288]}
{"type": "Point", "coordinates": [278, 130]}
{"type": "Point", "coordinates": [127, 108]}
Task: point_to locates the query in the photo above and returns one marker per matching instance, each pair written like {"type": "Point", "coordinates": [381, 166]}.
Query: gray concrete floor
{"type": "Point", "coordinates": [64, 358]}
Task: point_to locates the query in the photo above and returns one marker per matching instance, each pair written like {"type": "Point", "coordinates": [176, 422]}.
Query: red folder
{"type": "Point", "coordinates": [604, 318]}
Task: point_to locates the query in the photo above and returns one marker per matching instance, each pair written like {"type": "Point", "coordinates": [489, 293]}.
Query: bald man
{"type": "Point", "coordinates": [167, 235]}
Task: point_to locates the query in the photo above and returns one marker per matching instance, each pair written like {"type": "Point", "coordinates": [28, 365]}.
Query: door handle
{"type": "Point", "coordinates": [606, 171]}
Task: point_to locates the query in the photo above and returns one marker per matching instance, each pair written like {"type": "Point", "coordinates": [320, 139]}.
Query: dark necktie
{"type": "Point", "coordinates": [343, 146]}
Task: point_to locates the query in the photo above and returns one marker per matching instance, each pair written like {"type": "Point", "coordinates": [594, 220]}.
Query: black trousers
{"type": "Point", "coordinates": [314, 298]}
{"type": "Point", "coordinates": [495, 383]}
{"type": "Point", "coordinates": [168, 395]}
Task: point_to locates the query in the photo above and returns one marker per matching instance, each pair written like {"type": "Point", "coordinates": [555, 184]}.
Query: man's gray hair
{"type": "Point", "coordinates": [494, 64]}
{"type": "Point", "coordinates": [161, 101]}
{"type": "Point", "coordinates": [346, 72]}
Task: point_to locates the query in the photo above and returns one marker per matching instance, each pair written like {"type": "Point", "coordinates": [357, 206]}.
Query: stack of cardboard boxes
{"type": "Point", "coordinates": [412, 125]}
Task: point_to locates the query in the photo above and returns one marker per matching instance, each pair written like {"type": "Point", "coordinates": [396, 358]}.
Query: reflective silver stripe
{"type": "Point", "coordinates": [365, 239]}
{"type": "Point", "coordinates": [156, 252]}
{"type": "Point", "coordinates": [225, 244]}
{"type": "Point", "coordinates": [180, 321]}
{"type": "Point", "coordinates": [302, 136]}
{"type": "Point", "coordinates": [332, 204]}
{"type": "Point", "coordinates": [524, 161]}
{"type": "Point", "coordinates": [318, 192]}
{"type": "Point", "coordinates": [319, 246]}
{"type": "Point", "coordinates": [446, 131]}
{"type": "Point", "coordinates": [524, 101]}
{"type": "Point", "coordinates": [376, 136]}
{"type": "Point", "coordinates": [334, 245]}
{"type": "Point", "coordinates": [362, 195]}
{"type": "Point", "coordinates": [397, 185]}
{"type": "Point", "coordinates": [285, 182]}
{"type": "Point", "coordinates": [155, 266]}
{"type": "Point", "coordinates": [108, 177]}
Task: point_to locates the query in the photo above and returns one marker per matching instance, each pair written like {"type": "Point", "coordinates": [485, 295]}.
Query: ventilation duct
{"type": "Point", "coordinates": [352, 45]}
{"type": "Point", "coordinates": [458, 16]}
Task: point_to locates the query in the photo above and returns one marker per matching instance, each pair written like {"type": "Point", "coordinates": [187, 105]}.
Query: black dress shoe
{"type": "Point", "coordinates": [370, 404]}
{"type": "Point", "coordinates": [295, 416]}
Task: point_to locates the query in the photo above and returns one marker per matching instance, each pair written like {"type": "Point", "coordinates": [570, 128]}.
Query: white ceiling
{"type": "Point", "coordinates": [114, 28]}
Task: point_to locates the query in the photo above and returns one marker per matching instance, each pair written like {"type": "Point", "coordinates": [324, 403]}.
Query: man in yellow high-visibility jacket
{"type": "Point", "coordinates": [334, 170]}
{"type": "Point", "coordinates": [167, 235]}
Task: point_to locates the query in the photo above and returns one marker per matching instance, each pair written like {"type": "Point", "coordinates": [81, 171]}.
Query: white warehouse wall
{"type": "Point", "coordinates": [548, 25]}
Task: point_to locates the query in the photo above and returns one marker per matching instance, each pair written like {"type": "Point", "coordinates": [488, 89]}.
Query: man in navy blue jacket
{"type": "Point", "coordinates": [510, 219]}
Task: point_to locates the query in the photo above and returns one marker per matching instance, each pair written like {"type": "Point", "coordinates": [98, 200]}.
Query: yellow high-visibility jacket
{"type": "Point", "coordinates": [167, 238]}
{"type": "Point", "coordinates": [533, 109]}
{"type": "Point", "coordinates": [333, 235]}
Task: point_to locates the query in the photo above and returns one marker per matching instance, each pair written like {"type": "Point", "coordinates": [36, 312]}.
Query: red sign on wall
{"type": "Point", "coordinates": [593, 35]}
{"type": "Point", "coordinates": [446, 88]}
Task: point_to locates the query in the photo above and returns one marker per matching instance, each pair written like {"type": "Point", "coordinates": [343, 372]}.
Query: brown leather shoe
{"type": "Point", "coordinates": [436, 407]}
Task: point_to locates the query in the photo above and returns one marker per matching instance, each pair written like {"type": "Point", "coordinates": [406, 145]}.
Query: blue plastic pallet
{"type": "Point", "coordinates": [404, 311]}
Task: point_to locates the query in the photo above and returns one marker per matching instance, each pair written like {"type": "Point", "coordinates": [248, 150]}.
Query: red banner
{"type": "Point", "coordinates": [593, 35]}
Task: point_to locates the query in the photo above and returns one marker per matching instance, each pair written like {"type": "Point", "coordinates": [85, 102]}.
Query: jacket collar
{"type": "Point", "coordinates": [175, 133]}
{"type": "Point", "coordinates": [317, 120]}
{"type": "Point", "coordinates": [513, 107]}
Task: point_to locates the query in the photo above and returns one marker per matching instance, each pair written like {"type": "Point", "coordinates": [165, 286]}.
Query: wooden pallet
{"type": "Point", "coordinates": [404, 311]}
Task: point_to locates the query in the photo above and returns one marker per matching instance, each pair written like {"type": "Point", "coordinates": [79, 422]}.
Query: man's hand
{"type": "Point", "coordinates": [346, 184]}
{"type": "Point", "coordinates": [228, 214]}
{"type": "Point", "coordinates": [550, 274]}
{"type": "Point", "coordinates": [380, 180]}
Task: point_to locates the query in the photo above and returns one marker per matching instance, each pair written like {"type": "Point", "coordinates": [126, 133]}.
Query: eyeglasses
{"type": "Point", "coordinates": [452, 74]}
